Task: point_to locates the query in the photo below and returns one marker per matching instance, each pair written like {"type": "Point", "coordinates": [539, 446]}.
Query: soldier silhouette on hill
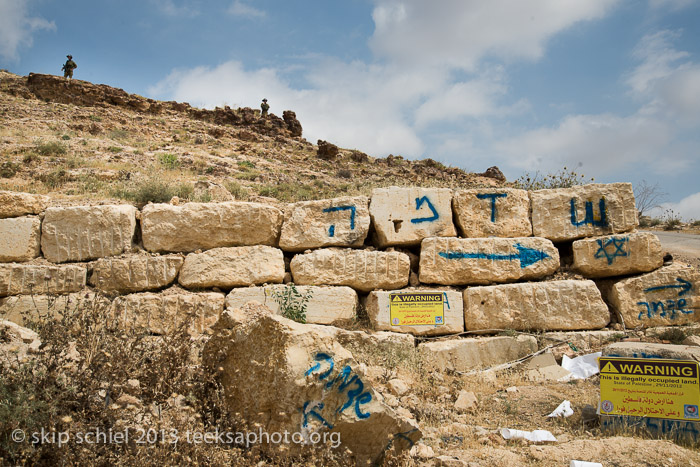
{"type": "Point", "coordinates": [68, 67]}
{"type": "Point", "coordinates": [265, 107]}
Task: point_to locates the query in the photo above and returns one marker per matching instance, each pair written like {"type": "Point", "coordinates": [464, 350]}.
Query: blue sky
{"type": "Point", "coordinates": [610, 88]}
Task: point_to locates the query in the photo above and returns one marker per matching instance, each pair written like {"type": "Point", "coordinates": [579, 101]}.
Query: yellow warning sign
{"type": "Point", "coordinates": [417, 309]}
{"type": "Point", "coordinates": [654, 388]}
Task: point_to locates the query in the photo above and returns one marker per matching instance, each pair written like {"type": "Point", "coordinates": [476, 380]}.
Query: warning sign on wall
{"type": "Point", "coordinates": [416, 309]}
{"type": "Point", "coordinates": [649, 388]}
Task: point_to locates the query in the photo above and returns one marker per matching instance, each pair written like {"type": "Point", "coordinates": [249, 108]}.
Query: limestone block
{"type": "Point", "coordinates": [476, 352]}
{"type": "Point", "coordinates": [665, 297]}
{"type": "Point", "coordinates": [14, 204]}
{"type": "Point", "coordinates": [405, 216]}
{"type": "Point", "coordinates": [87, 232]}
{"type": "Point", "coordinates": [160, 313]}
{"type": "Point", "coordinates": [20, 239]}
{"type": "Point", "coordinates": [20, 308]}
{"type": "Point", "coordinates": [360, 269]}
{"type": "Point", "coordinates": [492, 212]}
{"type": "Point", "coordinates": [325, 305]}
{"type": "Point", "coordinates": [378, 306]}
{"type": "Point", "coordinates": [465, 261]}
{"type": "Point", "coordinates": [374, 347]}
{"type": "Point", "coordinates": [652, 350]}
{"type": "Point", "coordinates": [135, 273]}
{"type": "Point", "coordinates": [342, 222]}
{"type": "Point", "coordinates": [544, 306]}
{"type": "Point", "coordinates": [287, 376]}
{"type": "Point", "coordinates": [617, 255]}
{"type": "Point", "coordinates": [26, 279]}
{"type": "Point", "coordinates": [200, 226]}
{"type": "Point", "coordinates": [583, 211]}
{"type": "Point", "coordinates": [233, 267]}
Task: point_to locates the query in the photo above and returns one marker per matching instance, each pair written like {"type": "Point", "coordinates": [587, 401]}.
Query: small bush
{"type": "Point", "coordinates": [655, 221]}
{"type": "Point", "coordinates": [114, 149]}
{"type": "Point", "coordinates": [168, 160]}
{"type": "Point", "coordinates": [695, 223]}
{"type": "Point", "coordinates": [245, 165]}
{"type": "Point", "coordinates": [8, 169]}
{"type": "Point", "coordinates": [672, 221]}
{"type": "Point", "coordinates": [288, 192]}
{"type": "Point", "coordinates": [292, 303]}
{"type": "Point", "coordinates": [54, 148]}
{"type": "Point", "coordinates": [118, 134]}
{"type": "Point", "coordinates": [153, 190]}
{"type": "Point", "coordinates": [29, 158]}
{"type": "Point", "coordinates": [236, 189]}
{"type": "Point", "coordinates": [55, 179]}
{"type": "Point", "coordinates": [95, 118]}
{"type": "Point", "coordinates": [65, 137]}
{"type": "Point", "coordinates": [563, 179]}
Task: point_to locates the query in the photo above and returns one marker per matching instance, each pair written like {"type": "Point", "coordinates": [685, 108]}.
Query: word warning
{"type": "Point", "coordinates": [649, 388]}
{"type": "Point", "coordinates": [416, 309]}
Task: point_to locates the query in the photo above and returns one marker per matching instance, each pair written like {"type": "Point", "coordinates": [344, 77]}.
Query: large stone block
{"type": "Point", "coordinates": [360, 269]}
{"type": "Point", "coordinates": [652, 350]}
{"type": "Point", "coordinates": [492, 212]}
{"type": "Point", "coordinates": [324, 305]}
{"type": "Point", "coordinates": [543, 306]}
{"type": "Point", "coordinates": [20, 239]}
{"type": "Point", "coordinates": [476, 352]}
{"type": "Point", "coordinates": [342, 222]}
{"type": "Point", "coordinates": [617, 255]}
{"type": "Point", "coordinates": [378, 306]}
{"type": "Point", "coordinates": [201, 226]}
{"type": "Point", "coordinates": [583, 211]}
{"type": "Point", "coordinates": [87, 232]}
{"type": "Point", "coordinates": [14, 204]}
{"type": "Point", "coordinates": [23, 308]}
{"type": "Point", "coordinates": [233, 267]}
{"type": "Point", "coordinates": [289, 377]}
{"type": "Point", "coordinates": [405, 216]}
{"type": "Point", "coordinates": [160, 313]}
{"type": "Point", "coordinates": [667, 296]}
{"type": "Point", "coordinates": [465, 261]}
{"type": "Point", "coordinates": [135, 273]}
{"type": "Point", "coordinates": [26, 279]}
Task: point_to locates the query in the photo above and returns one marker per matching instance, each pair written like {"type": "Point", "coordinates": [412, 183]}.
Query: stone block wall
{"type": "Point", "coordinates": [491, 253]}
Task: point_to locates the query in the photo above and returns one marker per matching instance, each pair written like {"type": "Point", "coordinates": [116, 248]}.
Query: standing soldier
{"type": "Point", "coordinates": [265, 107]}
{"type": "Point", "coordinates": [69, 67]}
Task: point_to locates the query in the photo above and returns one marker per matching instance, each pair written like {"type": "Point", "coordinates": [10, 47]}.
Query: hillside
{"type": "Point", "coordinates": [79, 142]}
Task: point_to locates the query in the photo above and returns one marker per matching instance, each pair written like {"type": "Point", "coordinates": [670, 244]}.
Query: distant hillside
{"type": "Point", "coordinates": [84, 142]}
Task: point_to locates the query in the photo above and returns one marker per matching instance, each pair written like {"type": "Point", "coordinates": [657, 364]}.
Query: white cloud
{"type": "Point", "coordinates": [688, 208]}
{"type": "Point", "coordinates": [238, 8]}
{"type": "Point", "coordinates": [458, 33]}
{"type": "Point", "coordinates": [17, 27]}
{"type": "Point", "coordinates": [658, 58]}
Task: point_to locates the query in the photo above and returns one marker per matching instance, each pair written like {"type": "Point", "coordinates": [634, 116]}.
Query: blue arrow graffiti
{"type": "Point", "coordinates": [526, 256]}
{"type": "Point", "coordinates": [419, 203]}
{"type": "Point", "coordinates": [684, 285]}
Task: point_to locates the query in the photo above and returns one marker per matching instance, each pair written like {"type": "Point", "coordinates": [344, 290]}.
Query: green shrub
{"type": "Point", "coordinates": [245, 165]}
{"type": "Point", "coordinates": [54, 148]}
{"type": "Point", "coordinates": [114, 149]}
{"type": "Point", "coordinates": [563, 179]}
{"type": "Point", "coordinates": [672, 221]}
{"type": "Point", "coordinates": [153, 190]}
{"type": "Point", "coordinates": [655, 221]}
{"type": "Point", "coordinates": [8, 169]}
{"type": "Point", "coordinates": [292, 303]}
{"type": "Point", "coordinates": [168, 160]}
{"type": "Point", "coordinates": [54, 179]}
{"type": "Point", "coordinates": [237, 190]}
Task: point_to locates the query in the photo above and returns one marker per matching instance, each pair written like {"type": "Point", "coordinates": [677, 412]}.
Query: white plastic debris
{"type": "Point", "coordinates": [564, 410]}
{"type": "Point", "coordinates": [584, 464]}
{"type": "Point", "coordinates": [536, 436]}
{"type": "Point", "coordinates": [581, 367]}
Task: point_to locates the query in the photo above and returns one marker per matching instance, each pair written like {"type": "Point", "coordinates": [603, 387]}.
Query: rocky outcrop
{"type": "Point", "coordinates": [293, 125]}
{"type": "Point", "coordinates": [467, 261]}
{"type": "Point", "coordinates": [295, 378]}
{"type": "Point", "coordinates": [13, 204]}
{"type": "Point", "coordinates": [326, 151]}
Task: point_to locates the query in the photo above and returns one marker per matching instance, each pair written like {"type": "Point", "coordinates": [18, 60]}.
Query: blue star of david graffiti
{"type": "Point", "coordinates": [620, 249]}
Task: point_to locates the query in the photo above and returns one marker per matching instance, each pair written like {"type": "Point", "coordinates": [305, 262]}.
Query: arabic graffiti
{"type": "Point", "coordinates": [668, 306]}
{"type": "Point", "coordinates": [344, 380]}
{"type": "Point", "coordinates": [620, 248]}
{"type": "Point", "coordinates": [352, 209]}
{"type": "Point", "coordinates": [492, 197]}
{"type": "Point", "coordinates": [526, 256]}
{"type": "Point", "coordinates": [590, 219]}
{"type": "Point", "coordinates": [419, 203]}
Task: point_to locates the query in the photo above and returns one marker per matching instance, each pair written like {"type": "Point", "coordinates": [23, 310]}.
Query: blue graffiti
{"type": "Point", "coordinates": [307, 413]}
{"type": "Point", "coordinates": [684, 285]}
{"type": "Point", "coordinates": [526, 256]}
{"type": "Point", "coordinates": [345, 379]}
{"type": "Point", "coordinates": [419, 203]}
{"type": "Point", "coordinates": [447, 301]}
{"type": "Point", "coordinates": [352, 209]}
{"type": "Point", "coordinates": [590, 217]}
{"type": "Point", "coordinates": [492, 197]}
{"type": "Point", "coordinates": [618, 244]}
{"type": "Point", "coordinates": [636, 355]}
{"type": "Point", "coordinates": [669, 306]}
{"type": "Point", "coordinates": [402, 436]}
